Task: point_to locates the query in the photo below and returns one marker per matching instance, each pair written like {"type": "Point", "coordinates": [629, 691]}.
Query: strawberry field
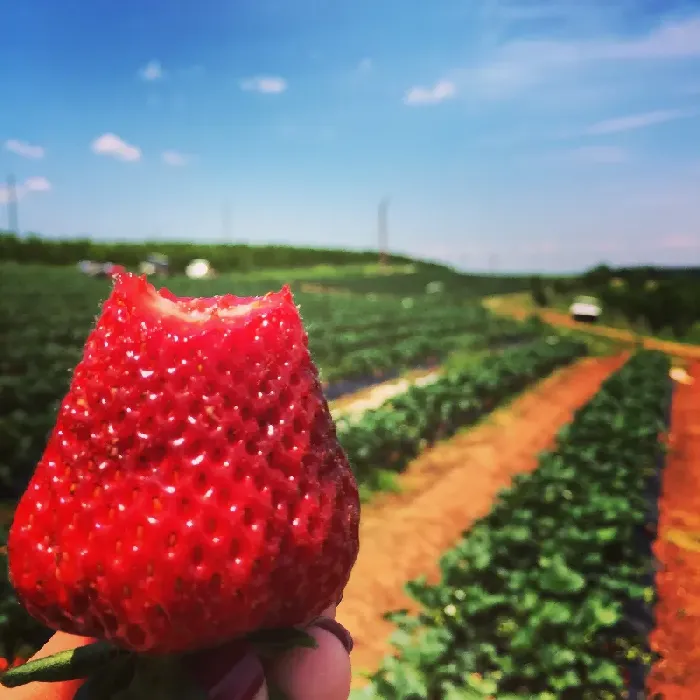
{"type": "Point", "coordinates": [549, 592]}
{"type": "Point", "coordinates": [541, 598]}
{"type": "Point", "coordinates": [46, 313]}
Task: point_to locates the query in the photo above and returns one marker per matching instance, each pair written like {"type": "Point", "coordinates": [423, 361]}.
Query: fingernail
{"type": "Point", "coordinates": [240, 681]}
{"type": "Point", "coordinates": [337, 630]}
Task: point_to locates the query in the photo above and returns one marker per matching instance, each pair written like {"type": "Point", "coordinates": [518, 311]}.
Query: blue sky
{"type": "Point", "coordinates": [543, 134]}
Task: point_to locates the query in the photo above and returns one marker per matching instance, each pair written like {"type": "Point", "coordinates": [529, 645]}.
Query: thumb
{"type": "Point", "coordinates": [323, 673]}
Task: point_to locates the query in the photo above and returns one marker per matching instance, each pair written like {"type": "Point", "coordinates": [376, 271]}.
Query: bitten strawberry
{"type": "Point", "coordinates": [193, 489]}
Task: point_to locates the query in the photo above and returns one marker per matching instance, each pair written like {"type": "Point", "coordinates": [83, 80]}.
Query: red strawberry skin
{"type": "Point", "coordinates": [193, 488]}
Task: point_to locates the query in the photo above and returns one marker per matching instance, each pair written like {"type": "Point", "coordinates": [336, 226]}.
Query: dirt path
{"type": "Point", "coordinates": [507, 306]}
{"type": "Point", "coordinates": [677, 635]}
{"type": "Point", "coordinates": [444, 492]}
{"type": "Point", "coordinates": [354, 405]}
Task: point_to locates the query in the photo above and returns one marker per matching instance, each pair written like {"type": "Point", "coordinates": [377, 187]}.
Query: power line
{"type": "Point", "coordinates": [383, 229]}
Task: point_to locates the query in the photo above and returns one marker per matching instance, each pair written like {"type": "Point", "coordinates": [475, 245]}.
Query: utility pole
{"type": "Point", "coordinates": [12, 206]}
{"type": "Point", "coordinates": [226, 223]}
{"type": "Point", "coordinates": [383, 230]}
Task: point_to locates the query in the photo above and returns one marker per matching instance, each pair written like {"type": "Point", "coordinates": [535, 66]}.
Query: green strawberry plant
{"type": "Point", "coordinates": [20, 634]}
{"type": "Point", "coordinates": [532, 601]}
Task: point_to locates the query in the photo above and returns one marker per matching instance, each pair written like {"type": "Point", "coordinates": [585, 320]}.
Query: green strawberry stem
{"type": "Point", "coordinates": [92, 660]}
{"type": "Point", "coordinates": [63, 666]}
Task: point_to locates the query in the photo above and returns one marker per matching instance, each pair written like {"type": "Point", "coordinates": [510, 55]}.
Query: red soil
{"type": "Point", "coordinates": [676, 676]}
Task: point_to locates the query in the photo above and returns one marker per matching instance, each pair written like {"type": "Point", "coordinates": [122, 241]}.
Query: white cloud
{"type": "Point", "coordinates": [599, 154]}
{"type": "Point", "coordinates": [112, 145]}
{"type": "Point", "coordinates": [676, 39]}
{"type": "Point", "coordinates": [267, 84]}
{"type": "Point", "coordinates": [37, 184]}
{"type": "Point", "coordinates": [152, 71]}
{"type": "Point", "coordinates": [31, 184]}
{"type": "Point", "coordinates": [520, 64]}
{"type": "Point", "coordinates": [637, 121]}
{"type": "Point", "coordinates": [441, 91]}
{"type": "Point", "coordinates": [24, 149]}
{"type": "Point", "coordinates": [174, 158]}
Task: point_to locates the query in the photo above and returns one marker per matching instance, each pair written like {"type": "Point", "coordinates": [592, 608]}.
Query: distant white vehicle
{"type": "Point", "coordinates": [89, 267]}
{"type": "Point", "coordinates": [199, 269]}
{"type": "Point", "coordinates": [96, 269]}
{"type": "Point", "coordinates": [155, 264]}
{"type": "Point", "coordinates": [147, 268]}
{"type": "Point", "coordinates": [585, 308]}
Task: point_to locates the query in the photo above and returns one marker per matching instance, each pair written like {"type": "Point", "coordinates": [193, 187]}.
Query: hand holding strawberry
{"type": "Point", "coordinates": [320, 674]}
{"type": "Point", "coordinates": [193, 490]}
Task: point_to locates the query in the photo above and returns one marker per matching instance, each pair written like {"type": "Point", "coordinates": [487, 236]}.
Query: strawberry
{"type": "Point", "coordinates": [193, 489]}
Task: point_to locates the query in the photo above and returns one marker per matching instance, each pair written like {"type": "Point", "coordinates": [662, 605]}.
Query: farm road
{"type": "Point", "coordinates": [510, 306]}
{"type": "Point", "coordinates": [444, 491]}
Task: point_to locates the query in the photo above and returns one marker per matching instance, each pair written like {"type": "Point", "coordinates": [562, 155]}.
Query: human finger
{"type": "Point", "coordinates": [233, 673]}
{"type": "Point", "coordinates": [315, 674]}
{"type": "Point", "coordinates": [230, 672]}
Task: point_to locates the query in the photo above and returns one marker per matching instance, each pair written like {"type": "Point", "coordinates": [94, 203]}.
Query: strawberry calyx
{"type": "Point", "coordinates": [109, 669]}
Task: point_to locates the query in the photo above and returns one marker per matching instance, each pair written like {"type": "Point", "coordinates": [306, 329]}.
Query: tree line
{"type": "Point", "coordinates": [665, 299]}
{"type": "Point", "coordinates": [224, 257]}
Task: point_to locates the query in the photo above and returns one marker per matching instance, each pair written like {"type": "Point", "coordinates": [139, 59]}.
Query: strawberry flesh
{"type": "Point", "coordinates": [193, 489]}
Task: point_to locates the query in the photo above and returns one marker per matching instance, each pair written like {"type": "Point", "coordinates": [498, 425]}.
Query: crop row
{"type": "Point", "coordinates": [533, 603]}
{"type": "Point", "coordinates": [421, 348]}
{"type": "Point", "coordinates": [386, 439]}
